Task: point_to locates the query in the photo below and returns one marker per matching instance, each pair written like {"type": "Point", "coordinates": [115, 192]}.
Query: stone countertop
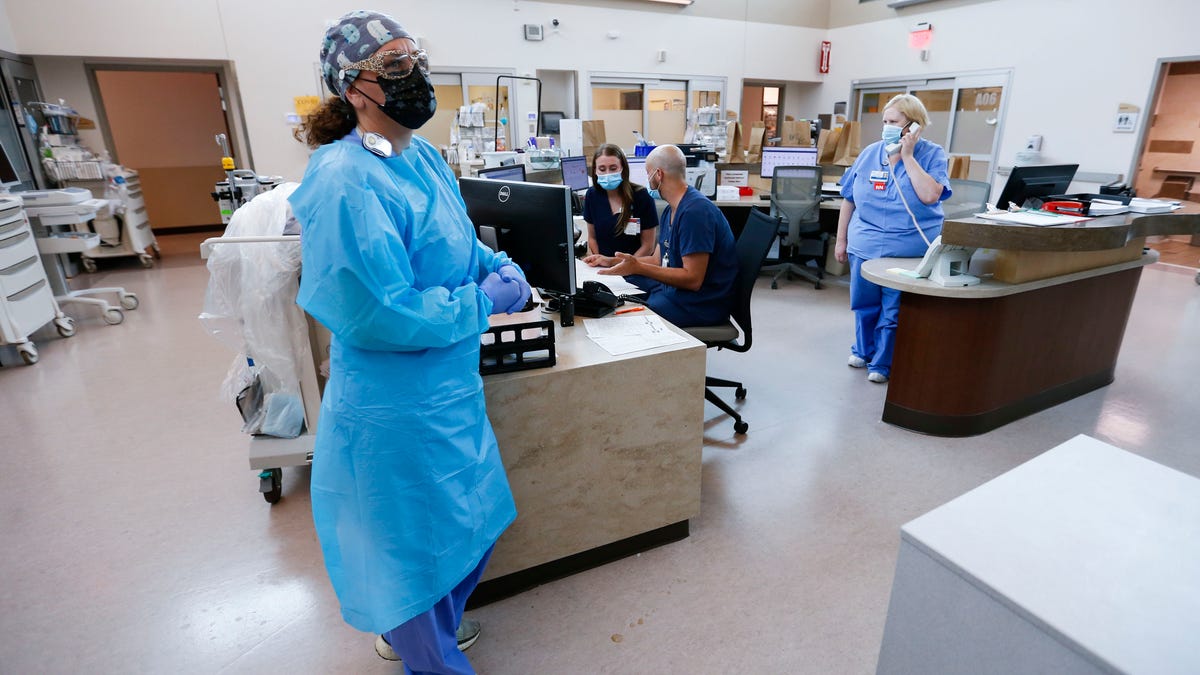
{"type": "Point", "coordinates": [1097, 234]}
{"type": "Point", "coordinates": [877, 272]}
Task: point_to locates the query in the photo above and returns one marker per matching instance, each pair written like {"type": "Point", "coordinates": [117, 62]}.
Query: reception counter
{"type": "Point", "coordinates": [968, 360]}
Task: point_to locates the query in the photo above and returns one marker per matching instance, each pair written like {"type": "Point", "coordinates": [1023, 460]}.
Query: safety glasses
{"type": "Point", "coordinates": [393, 64]}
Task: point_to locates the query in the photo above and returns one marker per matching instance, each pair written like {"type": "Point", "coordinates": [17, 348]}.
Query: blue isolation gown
{"type": "Point", "coordinates": [408, 489]}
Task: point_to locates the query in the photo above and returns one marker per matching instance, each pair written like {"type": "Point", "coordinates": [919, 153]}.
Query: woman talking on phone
{"type": "Point", "coordinates": [893, 208]}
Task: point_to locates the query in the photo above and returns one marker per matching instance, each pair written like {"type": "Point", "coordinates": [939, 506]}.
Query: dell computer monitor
{"type": "Point", "coordinates": [1035, 182]}
{"type": "Point", "coordinates": [637, 170]}
{"type": "Point", "coordinates": [575, 173]}
{"type": "Point", "coordinates": [531, 222]}
{"type": "Point", "coordinates": [776, 156]}
{"type": "Point", "coordinates": [510, 172]}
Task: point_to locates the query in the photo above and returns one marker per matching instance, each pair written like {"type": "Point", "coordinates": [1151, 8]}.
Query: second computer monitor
{"type": "Point", "coordinates": [776, 156]}
{"type": "Point", "coordinates": [1036, 182]}
{"type": "Point", "coordinates": [575, 173]}
{"type": "Point", "coordinates": [637, 170]}
{"type": "Point", "coordinates": [510, 172]}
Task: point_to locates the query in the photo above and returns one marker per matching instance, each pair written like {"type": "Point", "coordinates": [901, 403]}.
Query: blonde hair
{"type": "Point", "coordinates": [911, 107]}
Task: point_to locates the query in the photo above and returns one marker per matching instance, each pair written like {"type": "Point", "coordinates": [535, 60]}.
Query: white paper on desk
{"type": "Point", "coordinates": [625, 334]}
{"type": "Point", "coordinates": [1031, 218]}
{"type": "Point", "coordinates": [616, 284]}
{"type": "Point", "coordinates": [831, 188]}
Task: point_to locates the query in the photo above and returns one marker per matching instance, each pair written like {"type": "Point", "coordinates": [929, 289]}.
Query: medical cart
{"type": "Point", "coordinates": [26, 299]}
{"type": "Point", "coordinates": [310, 344]}
{"type": "Point", "coordinates": [126, 231]}
{"type": "Point", "coordinates": [50, 210]}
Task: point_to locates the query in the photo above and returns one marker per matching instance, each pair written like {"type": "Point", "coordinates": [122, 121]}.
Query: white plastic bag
{"type": "Point", "coordinates": [250, 306]}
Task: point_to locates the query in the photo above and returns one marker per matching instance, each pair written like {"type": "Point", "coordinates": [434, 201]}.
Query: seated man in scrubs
{"type": "Point", "coordinates": [689, 276]}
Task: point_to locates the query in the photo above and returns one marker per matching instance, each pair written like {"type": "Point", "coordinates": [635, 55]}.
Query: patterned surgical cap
{"type": "Point", "coordinates": [353, 38]}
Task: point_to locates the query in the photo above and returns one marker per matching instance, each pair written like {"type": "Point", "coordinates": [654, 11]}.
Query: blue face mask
{"type": "Point", "coordinates": [609, 181]}
{"type": "Point", "coordinates": [891, 133]}
{"type": "Point", "coordinates": [653, 190]}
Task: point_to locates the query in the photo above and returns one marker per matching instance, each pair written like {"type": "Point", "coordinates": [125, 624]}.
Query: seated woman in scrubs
{"type": "Point", "coordinates": [408, 490]}
{"type": "Point", "coordinates": [620, 215]}
{"type": "Point", "coordinates": [892, 208]}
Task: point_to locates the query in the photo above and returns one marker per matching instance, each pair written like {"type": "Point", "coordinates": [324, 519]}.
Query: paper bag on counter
{"type": "Point", "coordinates": [827, 145]}
{"type": "Point", "coordinates": [755, 142]}
{"type": "Point", "coordinates": [733, 141]}
{"type": "Point", "coordinates": [849, 145]}
{"type": "Point", "coordinates": [795, 134]}
{"type": "Point", "coordinates": [593, 138]}
{"type": "Point", "coordinates": [960, 167]}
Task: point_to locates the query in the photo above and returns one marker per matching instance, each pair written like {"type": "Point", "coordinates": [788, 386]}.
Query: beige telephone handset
{"type": "Point", "coordinates": [946, 264]}
{"type": "Point", "coordinates": [893, 148]}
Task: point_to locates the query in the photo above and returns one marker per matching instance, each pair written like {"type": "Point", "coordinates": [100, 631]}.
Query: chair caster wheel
{"type": "Point", "coordinates": [774, 285]}
{"type": "Point", "coordinates": [741, 427]}
{"type": "Point", "coordinates": [739, 393]}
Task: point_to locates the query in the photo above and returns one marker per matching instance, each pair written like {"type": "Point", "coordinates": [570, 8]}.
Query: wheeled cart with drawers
{"type": "Point", "coordinates": [26, 298]}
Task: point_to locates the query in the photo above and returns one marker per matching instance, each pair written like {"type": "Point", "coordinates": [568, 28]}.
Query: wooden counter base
{"type": "Point", "coordinates": [966, 366]}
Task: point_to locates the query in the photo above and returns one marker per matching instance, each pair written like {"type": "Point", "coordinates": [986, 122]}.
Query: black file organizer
{"type": "Point", "coordinates": [503, 349]}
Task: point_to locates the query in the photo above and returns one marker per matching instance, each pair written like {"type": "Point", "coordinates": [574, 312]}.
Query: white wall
{"type": "Point", "coordinates": [1072, 62]}
{"type": "Point", "coordinates": [8, 42]}
{"type": "Point", "coordinates": [1067, 82]}
{"type": "Point", "coordinates": [273, 45]}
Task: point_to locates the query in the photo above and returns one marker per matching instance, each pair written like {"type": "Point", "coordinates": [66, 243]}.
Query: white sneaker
{"type": "Point", "coordinates": [855, 362]}
{"type": "Point", "coordinates": [877, 378]}
{"type": "Point", "coordinates": [467, 634]}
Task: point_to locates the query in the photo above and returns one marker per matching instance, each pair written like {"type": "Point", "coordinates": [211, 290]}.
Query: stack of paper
{"type": "Point", "coordinates": [624, 334]}
{"type": "Point", "coordinates": [1106, 207]}
{"type": "Point", "coordinates": [1139, 205]}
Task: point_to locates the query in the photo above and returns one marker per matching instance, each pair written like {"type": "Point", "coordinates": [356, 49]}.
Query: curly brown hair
{"type": "Point", "coordinates": [331, 121]}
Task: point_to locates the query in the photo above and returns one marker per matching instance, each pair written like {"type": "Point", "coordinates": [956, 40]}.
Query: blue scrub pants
{"type": "Point", "coordinates": [426, 643]}
{"type": "Point", "coordinates": [664, 306]}
{"type": "Point", "coordinates": [875, 311]}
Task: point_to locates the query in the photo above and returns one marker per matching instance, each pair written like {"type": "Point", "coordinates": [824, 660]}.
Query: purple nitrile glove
{"type": "Point", "coordinates": [514, 273]}
{"type": "Point", "coordinates": [504, 294]}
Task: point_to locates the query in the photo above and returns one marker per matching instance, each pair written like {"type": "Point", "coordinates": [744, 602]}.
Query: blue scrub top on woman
{"type": "Point", "coordinates": [408, 489]}
{"type": "Point", "coordinates": [881, 226]}
{"type": "Point", "coordinates": [598, 212]}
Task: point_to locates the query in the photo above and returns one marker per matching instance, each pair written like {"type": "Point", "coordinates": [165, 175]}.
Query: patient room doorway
{"type": "Point", "coordinates": [163, 122]}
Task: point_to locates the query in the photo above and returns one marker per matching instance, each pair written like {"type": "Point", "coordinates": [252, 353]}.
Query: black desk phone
{"type": "Point", "coordinates": [595, 300]}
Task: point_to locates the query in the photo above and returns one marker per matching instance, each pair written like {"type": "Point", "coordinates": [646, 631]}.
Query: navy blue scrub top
{"type": "Point", "coordinates": [598, 212]}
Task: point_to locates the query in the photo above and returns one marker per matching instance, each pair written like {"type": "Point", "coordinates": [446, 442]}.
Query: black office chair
{"type": "Point", "coordinates": [796, 197]}
{"type": "Point", "coordinates": [752, 248]}
{"type": "Point", "coordinates": [969, 197]}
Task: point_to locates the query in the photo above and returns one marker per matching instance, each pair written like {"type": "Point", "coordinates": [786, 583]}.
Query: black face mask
{"type": "Point", "coordinates": [409, 100]}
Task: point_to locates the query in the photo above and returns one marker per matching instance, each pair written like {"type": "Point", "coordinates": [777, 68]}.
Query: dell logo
{"type": "Point", "coordinates": [504, 193]}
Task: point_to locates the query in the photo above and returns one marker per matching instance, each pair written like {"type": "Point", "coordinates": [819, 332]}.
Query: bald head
{"type": "Point", "coordinates": [670, 159]}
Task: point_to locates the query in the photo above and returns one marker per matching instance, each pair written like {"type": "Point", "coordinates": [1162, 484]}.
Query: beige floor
{"type": "Point", "coordinates": [133, 538]}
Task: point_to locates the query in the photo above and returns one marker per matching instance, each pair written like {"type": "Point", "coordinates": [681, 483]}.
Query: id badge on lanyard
{"type": "Point", "coordinates": [879, 179]}
{"type": "Point", "coordinates": [634, 226]}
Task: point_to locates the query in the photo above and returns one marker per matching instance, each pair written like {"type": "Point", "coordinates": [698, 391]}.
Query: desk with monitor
{"type": "Point", "coordinates": [595, 478]}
